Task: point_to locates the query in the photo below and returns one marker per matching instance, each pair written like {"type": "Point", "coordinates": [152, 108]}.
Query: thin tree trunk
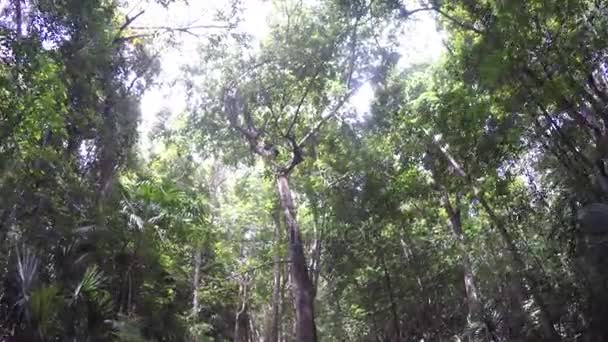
{"type": "Point", "coordinates": [130, 295]}
{"type": "Point", "coordinates": [18, 18]}
{"type": "Point", "coordinates": [546, 321]}
{"type": "Point", "coordinates": [303, 289]}
{"type": "Point", "coordinates": [196, 281]}
{"type": "Point", "coordinates": [409, 258]}
{"type": "Point", "coordinates": [254, 333]}
{"type": "Point", "coordinates": [545, 318]}
{"type": "Point", "coordinates": [272, 331]}
{"type": "Point", "coordinates": [315, 253]}
{"type": "Point", "coordinates": [473, 302]}
{"type": "Point", "coordinates": [391, 295]}
{"type": "Point", "coordinates": [241, 321]}
{"type": "Point", "coordinates": [285, 285]}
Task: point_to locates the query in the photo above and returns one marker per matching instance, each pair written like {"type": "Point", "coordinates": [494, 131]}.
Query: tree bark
{"type": "Point", "coordinates": [303, 289]}
{"type": "Point", "coordinates": [286, 295]}
{"type": "Point", "coordinates": [272, 330]}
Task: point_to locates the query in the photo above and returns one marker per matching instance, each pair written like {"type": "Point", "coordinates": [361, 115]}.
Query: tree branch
{"type": "Point", "coordinates": [128, 21]}
{"type": "Point", "coordinates": [353, 54]}
{"type": "Point", "coordinates": [184, 29]}
{"type": "Point", "coordinates": [301, 102]}
{"type": "Point", "coordinates": [326, 118]}
{"type": "Point", "coordinates": [135, 36]}
{"type": "Point", "coordinates": [406, 13]}
{"type": "Point", "coordinates": [296, 158]}
{"type": "Point", "coordinates": [466, 26]}
{"type": "Point", "coordinates": [341, 103]}
{"type": "Point", "coordinates": [255, 268]}
{"type": "Point", "coordinates": [234, 107]}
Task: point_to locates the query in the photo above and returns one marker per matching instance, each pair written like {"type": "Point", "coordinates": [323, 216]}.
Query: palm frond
{"type": "Point", "coordinates": [91, 282]}
{"type": "Point", "coordinates": [27, 267]}
{"type": "Point", "coordinates": [136, 221]}
{"type": "Point", "coordinates": [104, 301]}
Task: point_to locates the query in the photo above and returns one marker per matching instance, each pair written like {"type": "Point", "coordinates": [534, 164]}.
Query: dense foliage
{"type": "Point", "coordinates": [469, 204]}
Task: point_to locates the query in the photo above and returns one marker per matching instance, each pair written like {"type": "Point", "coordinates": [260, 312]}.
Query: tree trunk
{"type": "Point", "coordinates": [473, 302]}
{"type": "Point", "coordinates": [241, 321]}
{"type": "Point", "coordinates": [196, 281]}
{"type": "Point", "coordinates": [303, 289]}
{"type": "Point", "coordinates": [547, 327]}
{"type": "Point", "coordinates": [272, 329]}
{"type": "Point", "coordinates": [391, 296]}
{"type": "Point", "coordinates": [545, 318]}
{"type": "Point", "coordinates": [516, 324]}
{"type": "Point", "coordinates": [315, 251]}
{"type": "Point", "coordinates": [18, 18]}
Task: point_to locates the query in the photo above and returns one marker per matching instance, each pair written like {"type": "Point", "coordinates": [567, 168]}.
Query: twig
{"type": "Point", "coordinates": [181, 28]}
{"type": "Point", "coordinates": [255, 268]}
{"type": "Point", "coordinates": [302, 99]}
{"type": "Point", "coordinates": [128, 21]}
{"type": "Point", "coordinates": [454, 20]}
{"type": "Point", "coordinates": [326, 118]}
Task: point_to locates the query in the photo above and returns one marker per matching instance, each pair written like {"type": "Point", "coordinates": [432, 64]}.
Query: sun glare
{"type": "Point", "coordinates": [421, 43]}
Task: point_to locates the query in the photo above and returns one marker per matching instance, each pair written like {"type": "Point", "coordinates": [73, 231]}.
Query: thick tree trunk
{"type": "Point", "coordinates": [303, 289]}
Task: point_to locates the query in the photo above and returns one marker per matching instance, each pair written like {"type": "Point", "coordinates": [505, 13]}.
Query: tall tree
{"type": "Point", "coordinates": [282, 103]}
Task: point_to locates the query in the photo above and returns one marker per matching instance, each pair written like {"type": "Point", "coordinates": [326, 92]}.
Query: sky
{"type": "Point", "coordinates": [169, 96]}
{"type": "Point", "coordinates": [422, 43]}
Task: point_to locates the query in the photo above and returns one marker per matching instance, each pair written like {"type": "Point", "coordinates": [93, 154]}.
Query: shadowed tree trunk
{"type": "Point", "coordinates": [391, 295]}
{"type": "Point", "coordinates": [284, 331]}
{"type": "Point", "coordinates": [241, 324]}
{"type": "Point", "coordinates": [303, 289]}
{"type": "Point", "coordinates": [474, 306]}
{"type": "Point", "coordinates": [593, 250]}
{"type": "Point", "coordinates": [272, 329]}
